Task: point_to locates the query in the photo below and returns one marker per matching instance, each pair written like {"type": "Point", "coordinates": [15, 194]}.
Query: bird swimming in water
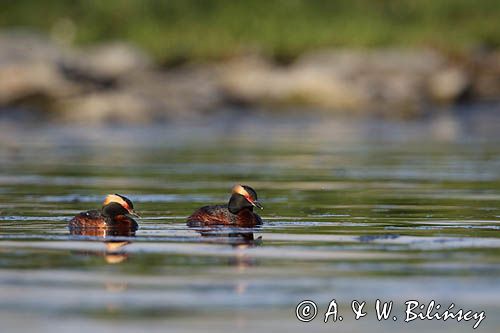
{"type": "Point", "coordinates": [115, 214]}
{"type": "Point", "coordinates": [238, 212]}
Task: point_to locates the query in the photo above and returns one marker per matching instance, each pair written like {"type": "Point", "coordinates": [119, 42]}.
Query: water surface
{"type": "Point", "coordinates": [359, 210]}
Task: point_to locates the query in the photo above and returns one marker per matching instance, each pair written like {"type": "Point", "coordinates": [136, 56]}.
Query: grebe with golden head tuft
{"type": "Point", "coordinates": [116, 212]}
{"type": "Point", "coordinates": [238, 211]}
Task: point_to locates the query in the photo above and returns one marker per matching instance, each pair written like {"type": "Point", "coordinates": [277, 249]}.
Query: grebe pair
{"type": "Point", "coordinates": [117, 212]}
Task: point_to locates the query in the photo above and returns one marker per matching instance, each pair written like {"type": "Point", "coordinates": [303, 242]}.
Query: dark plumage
{"type": "Point", "coordinates": [113, 215]}
{"type": "Point", "coordinates": [238, 211]}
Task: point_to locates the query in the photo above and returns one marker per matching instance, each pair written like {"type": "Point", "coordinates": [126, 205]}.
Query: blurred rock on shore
{"type": "Point", "coordinates": [118, 83]}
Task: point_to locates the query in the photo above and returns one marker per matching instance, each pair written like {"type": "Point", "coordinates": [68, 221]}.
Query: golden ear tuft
{"type": "Point", "coordinates": [238, 189]}
{"type": "Point", "coordinates": [115, 198]}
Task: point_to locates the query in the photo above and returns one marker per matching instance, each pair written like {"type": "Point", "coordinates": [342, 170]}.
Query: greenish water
{"type": "Point", "coordinates": [353, 211]}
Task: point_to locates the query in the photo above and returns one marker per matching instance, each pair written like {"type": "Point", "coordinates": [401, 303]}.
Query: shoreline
{"type": "Point", "coordinates": [118, 83]}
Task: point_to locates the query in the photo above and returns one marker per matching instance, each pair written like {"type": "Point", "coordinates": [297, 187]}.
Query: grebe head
{"type": "Point", "coordinates": [116, 204]}
{"type": "Point", "coordinates": [243, 196]}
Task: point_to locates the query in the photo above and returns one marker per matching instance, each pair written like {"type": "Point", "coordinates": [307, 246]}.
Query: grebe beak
{"type": "Point", "coordinates": [256, 204]}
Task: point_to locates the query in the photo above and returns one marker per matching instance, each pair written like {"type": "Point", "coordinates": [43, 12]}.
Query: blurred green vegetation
{"type": "Point", "coordinates": [206, 29]}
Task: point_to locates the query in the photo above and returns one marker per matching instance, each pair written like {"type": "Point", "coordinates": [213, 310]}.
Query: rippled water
{"type": "Point", "coordinates": [353, 211]}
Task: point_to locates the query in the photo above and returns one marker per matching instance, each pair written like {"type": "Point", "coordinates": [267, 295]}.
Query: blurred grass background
{"type": "Point", "coordinates": [178, 30]}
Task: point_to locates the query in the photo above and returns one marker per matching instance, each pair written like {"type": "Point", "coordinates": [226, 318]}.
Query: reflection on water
{"type": "Point", "coordinates": [353, 211]}
{"type": "Point", "coordinates": [114, 251]}
{"type": "Point", "coordinates": [103, 232]}
{"type": "Point", "coordinates": [237, 237]}
{"type": "Point", "coordinates": [228, 234]}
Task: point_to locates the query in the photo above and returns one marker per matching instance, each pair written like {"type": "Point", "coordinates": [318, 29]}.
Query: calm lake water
{"type": "Point", "coordinates": [354, 210]}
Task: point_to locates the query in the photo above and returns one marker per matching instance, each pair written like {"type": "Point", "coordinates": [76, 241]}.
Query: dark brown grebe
{"type": "Point", "coordinates": [238, 212]}
{"type": "Point", "coordinates": [113, 215]}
